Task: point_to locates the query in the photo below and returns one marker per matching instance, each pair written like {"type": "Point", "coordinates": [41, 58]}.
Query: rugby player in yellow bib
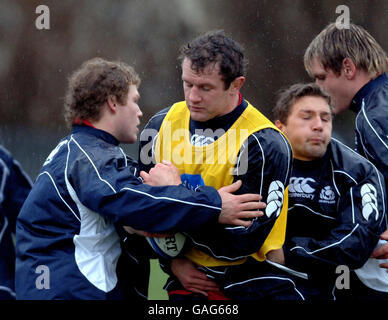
{"type": "Point", "coordinates": [216, 137]}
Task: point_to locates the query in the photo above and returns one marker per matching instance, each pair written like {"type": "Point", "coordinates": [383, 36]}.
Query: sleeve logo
{"type": "Point", "coordinates": [369, 201]}
{"type": "Point", "coordinates": [275, 198]}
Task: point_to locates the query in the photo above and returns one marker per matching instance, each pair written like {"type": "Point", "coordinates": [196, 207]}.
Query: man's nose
{"type": "Point", "coordinates": [139, 113]}
{"type": "Point", "coordinates": [194, 95]}
{"type": "Point", "coordinates": [317, 123]}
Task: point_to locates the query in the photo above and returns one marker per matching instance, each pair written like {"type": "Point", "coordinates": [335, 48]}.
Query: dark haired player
{"type": "Point", "coordinates": [216, 137]}
{"type": "Point", "coordinates": [337, 204]}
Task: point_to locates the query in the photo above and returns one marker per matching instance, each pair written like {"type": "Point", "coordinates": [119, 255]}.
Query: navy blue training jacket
{"type": "Point", "coordinates": [337, 210]}
{"type": "Point", "coordinates": [67, 243]}
{"type": "Point", "coordinates": [265, 156]}
{"type": "Point", "coordinates": [14, 188]}
{"type": "Point", "coordinates": [371, 105]}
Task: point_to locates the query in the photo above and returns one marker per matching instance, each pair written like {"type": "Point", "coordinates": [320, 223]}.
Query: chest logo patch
{"type": "Point", "coordinates": [301, 187]}
{"type": "Point", "coordinates": [327, 195]}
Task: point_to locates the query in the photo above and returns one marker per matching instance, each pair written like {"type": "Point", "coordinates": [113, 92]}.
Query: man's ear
{"type": "Point", "coordinates": [349, 68]}
{"type": "Point", "coordinates": [111, 102]}
{"type": "Point", "coordinates": [236, 84]}
{"type": "Point", "coordinates": [279, 125]}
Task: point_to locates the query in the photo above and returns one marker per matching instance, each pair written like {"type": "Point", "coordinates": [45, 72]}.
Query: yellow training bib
{"type": "Point", "coordinates": [213, 165]}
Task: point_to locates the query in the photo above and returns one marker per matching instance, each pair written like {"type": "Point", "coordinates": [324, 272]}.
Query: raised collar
{"type": "Point", "coordinates": [101, 134]}
{"type": "Point", "coordinates": [356, 103]}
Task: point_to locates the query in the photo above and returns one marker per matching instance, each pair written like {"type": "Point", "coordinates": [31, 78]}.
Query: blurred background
{"type": "Point", "coordinates": [35, 64]}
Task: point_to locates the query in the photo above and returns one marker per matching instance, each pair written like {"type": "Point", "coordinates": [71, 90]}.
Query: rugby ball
{"type": "Point", "coordinates": [168, 247]}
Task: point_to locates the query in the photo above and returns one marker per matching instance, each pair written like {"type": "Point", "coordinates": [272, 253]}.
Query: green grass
{"type": "Point", "coordinates": [157, 281]}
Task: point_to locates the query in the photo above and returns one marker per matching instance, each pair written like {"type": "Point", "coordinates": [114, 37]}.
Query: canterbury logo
{"type": "Point", "coordinates": [369, 201]}
{"type": "Point", "coordinates": [301, 185]}
{"type": "Point", "coordinates": [275, 198]}
{"type": "Point", "coordinates": [197, 140]}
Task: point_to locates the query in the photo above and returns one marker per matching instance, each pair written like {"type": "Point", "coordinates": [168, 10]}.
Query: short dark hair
{"type": "Point", "coordinates": [288, 97]}
{"type": "Point", "coordinates": [91, 85]}
{"type": "Point", "coordinates": [216, 47]}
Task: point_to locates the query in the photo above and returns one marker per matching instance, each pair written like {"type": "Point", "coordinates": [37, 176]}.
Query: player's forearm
{"type": "Point", "coordinates": [232, 243]}
{"type": "Point", "coordinates": [350, 246]}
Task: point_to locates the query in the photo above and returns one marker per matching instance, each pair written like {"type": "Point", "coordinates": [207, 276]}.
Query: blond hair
{"type": "Point", "coordinates": [332, 45]}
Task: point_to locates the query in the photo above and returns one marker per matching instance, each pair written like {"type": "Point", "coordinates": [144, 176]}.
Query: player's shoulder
{"type": "Point", "coordinates": [345, 159]}
{"type": "Point", "coordinates": [151, 129]}
{"type": "Point", "coordinates": [378, 96]}
{"type": "Point", "coordinates": [375, 103]}
{"type": "Point", "coordinates": [156, 120]}
{"type": "Point", "coordinates": [270, 140]}
{"type": "Point", "coordinates": [6, 156]}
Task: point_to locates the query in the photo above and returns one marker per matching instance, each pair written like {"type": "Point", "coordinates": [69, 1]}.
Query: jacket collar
{"type": "Point", "coordinates": [356, 103]}
{"type": "Point", "coordinates": [101, 134]}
